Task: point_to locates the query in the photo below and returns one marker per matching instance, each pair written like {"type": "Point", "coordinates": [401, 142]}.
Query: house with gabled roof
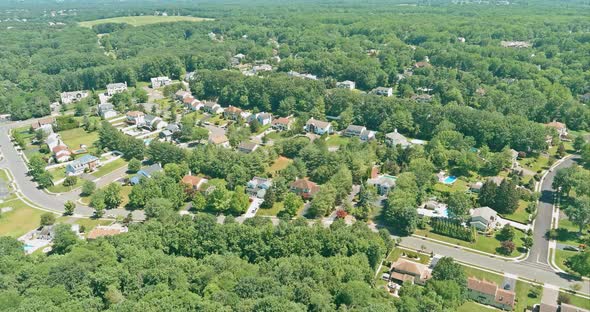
{"type": "Point", "coordinates": [304, 188]}
{"type": "Point", "coordinates": [193, 182]}
{"type": "Point", "coordinates": [135, 118]}
{"type": "Point", "coordinates": [360, 132]}
{"type": "Point", "coordinates": [258, 186]}
{"type": "Point", "coordinates": [232, 112]}
{"type": "Point", "coordinates": [86, 162]}
{"type": "Point", "coordinates": [347, 84]}
{"type": "Point", "coordinates": [559, 127]}
{"type": "Point", "coordinates": [483, 218]}
{"type": "Point", "coordinates": [74, 96]}
{"type": "Point", "coordinates": [404, 270]}
{"type": "Point", "coordinates": [489, 293]}
{"type": "Point", "coordinates": [318, 126]}
{"type": "Point", "coordinates": [383, 91]}
{"type": "Point", "coordinates": [114, 88]}
{"type": "Point", "coordinates": [145, 173]}
{"type": "Point", "coordinates": [247, 147]}
{"type": "Point", "coordinates": [158, 82]}
{"type": "Point", "coordinates": [212, 108]}
{"type": "Point", "coordinates": [282, 124]}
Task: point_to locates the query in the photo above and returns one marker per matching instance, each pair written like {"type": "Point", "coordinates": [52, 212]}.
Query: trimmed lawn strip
{"type": "Point", "coordinates": [125, 191]}
{"type": "Point", "coordinates": [60, 188]}
{"type": "Point", "coordinates": [21, 219]}
{"type": "Point", "coordinates": [577, 301]}
{"type": "Point", "coordinates": [470, 306]}
{"type": "Point", "coordinates": [483, 243]}
{"type": "Point", "coordinates": [88, 224]}
{"type": "Point", "coordinates": [110, 167]}
{"type": "Point", "coordinates": [567, 233]}
{"type": "Point", "coordinates": [397, 252]}
{"type": "Point", "coordinates": [488, 276]}
{"type": "Point", "coordinates": [336, 140]}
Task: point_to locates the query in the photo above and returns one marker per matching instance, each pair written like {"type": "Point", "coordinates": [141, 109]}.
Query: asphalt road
{"type": "Point", "coordinates": [539, 253]}
{"type": "Point", "coordinates": [13, 161]}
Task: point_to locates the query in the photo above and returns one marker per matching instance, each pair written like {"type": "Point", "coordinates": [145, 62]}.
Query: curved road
{"type": "Point", "coordinates": [529, 268]}
{"type": "Point", "coordinates": [14, 162]}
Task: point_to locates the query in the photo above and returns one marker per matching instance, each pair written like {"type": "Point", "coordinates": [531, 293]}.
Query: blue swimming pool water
{"type": "Point", "coordinates": [450, 180]}
{"type": "Point", "coordinates": [28, 247]}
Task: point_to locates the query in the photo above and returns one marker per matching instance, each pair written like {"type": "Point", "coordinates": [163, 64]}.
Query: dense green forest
{"type": "Point", "coordinates": [540, 83]}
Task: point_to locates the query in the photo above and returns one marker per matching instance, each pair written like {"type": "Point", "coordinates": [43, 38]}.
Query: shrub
{"type": "Point", "coordinates": [70, 181]}
{"type": "Point", "coordinates": [452, 228]}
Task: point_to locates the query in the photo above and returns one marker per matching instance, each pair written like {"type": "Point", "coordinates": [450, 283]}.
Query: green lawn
{"type": "Point", "coordinates": [520, 215]}
{"type": "Point", "coordinates": [459, 186]}
{"type": "Point", "coordinates": [21, 219]}
{"type": "Point", "coordinates": [74, 137]}
{"type": "Point", "coordinates": [470, 306]}
{"type": "Point", "coordinates": [567, 233]}
{"type": "Point", "coordinates": [4, 176]}
{"type": "Point", "coordinates": [125, 191]}
{"type": "Point", "coordinates": [60, 188]}
{"type": "Point", "coordinates": [483, 243]}
{"type": "Point", "coordinates": [88, 224]}
{"type": "Point", "coordinates": [397, 252]}
{"type": "Point", "coordinates": [110, 167]}
{"type": "Point", "coordinates": [488, 276]}
{"type": "Point", "coordinates": [577, 301]}
{"type": "Point", "coordinates": [561, 256]}
{"type": "Point", "coordinates": [273, 211]}
{"type": "Point", "coordinates": [336, 140]}
{"type": "Point", "coordinates": [279, 164]}
{"type": "Point", "coordinates": [535, 163]}
{"type": "Point", "coordinates": [143, 20]}
{"type": "Point", "coordinates": [57, 173]}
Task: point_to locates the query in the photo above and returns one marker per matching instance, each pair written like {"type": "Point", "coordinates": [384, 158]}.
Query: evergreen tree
{"type": "Point", "coordinates": [487, 194]}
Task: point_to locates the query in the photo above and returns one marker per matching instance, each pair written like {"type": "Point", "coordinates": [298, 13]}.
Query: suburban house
{"type": "Point", "coordinates": [247, 147]}
{"type": "Point", "coordinates": [347, 84]}
{"type": "Point", "coordinates": [114, 88]}
{"type": "Point", "coordinates": [489, 293]}
{"type": "Point", "coordinates": [106, 110]}
{"type": "Point", "coordinates": [170, 129]}
{"type": "Point", "coordinates": [106, 230]}
{"type": "Point", "coordinates": [86, 162]}
{"type": "Point", "coordinates": [382, 182]}
{"type": "Point", "coordinates": [74, 96]}
{"type": "Point", "coordinates": [257, 187]}
{"type": "Point", "coordinates": [304, 188]}
{"type": "Point", "coordinates": [212, 108]}
{"type": "Point", "coordinates": [232, 112]}
{"type": "Point", "coordinates": [193, 182]}
{"type": "Point", "coordinates": [261, 68]}
{"type": "Point", "coordinates": [383, 91]}
{"type": "Point", "coordinates": [192, 103]}
{"type": "Point", "coordinates": [404, 270]}
{"type": "Point", "coordinates": [476, 187]}
{"type": "Point", "coordinates": [360, 132]}
{"type": "Point", "coordinates": [47, 122]}
{"type": "Point", "coordinates": [559, 127]}
{"type": "Point", "coordinates": [395, 138]}
{"type": "Point", "coordinates": [422, 98]}
{"type": "Point", "coordinates": [160, 82]}
{"type": "Point", "coordinates": [61, 153]}
{"type": "Point", "coordinates": [181, 94]}
{"type": "Point", "coordinates": [318, 126]}
{"type": "Point", "coordinates": [219, 139]}
{"type": "Point", "coordinates": [154, 123]}
{"type": "Point", "coordinates": [303, 76]}
{"type": "Point", "coordinates": [483, 218]}
{"type": "Point", "coordinates": [262, 118]}
{"type": "Point", "coordinates": [145, 173]}
{"type": "Point", "coordinates": [422, 65]}
{"type": "Point", "coordinates": [282, 124]}
{"type": "Point", "coordinates": [53, 140]}
{"type": "Point", "coordinates": [135, 117]}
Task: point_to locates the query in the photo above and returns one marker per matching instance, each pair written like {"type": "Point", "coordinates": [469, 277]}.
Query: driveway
{"type": "Point", "coordinates": [254, 205]}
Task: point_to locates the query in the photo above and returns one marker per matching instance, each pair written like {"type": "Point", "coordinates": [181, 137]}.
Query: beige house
{"type": "Point", "coordinates": [404, 270]}
{"type": "Point", "coordinates": [489, 293]}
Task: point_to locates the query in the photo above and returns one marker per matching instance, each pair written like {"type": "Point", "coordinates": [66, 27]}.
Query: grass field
{"type": "Point", "coordinates": [561, 256]}
{"type": "Point", "coordinates": [125, 191]}
{"type": "Point", "coordinates": [483, 243]}
{"type": "Point", "coordinates": [88, 224]}
{"type": "Point", "coordinates": [337, 140]}
{"type": "Point", "coordinates": [279, 164]}
{"type": "Point", "coordinates": [21, 219]}
{"type": "Point", "coordinates": [60, 188]}
{"type": "Point", "coordinates": [74, 137]}
{"type": "Point", "coordinates": [143, 20]}
{"type": "Point", "coordinates": [567, 233]}
{"type": "Point", "coordinates": [397, 252]}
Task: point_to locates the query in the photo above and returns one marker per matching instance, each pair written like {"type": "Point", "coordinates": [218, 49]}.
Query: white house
{"type": "Point", "coordinates": [114, 88]}
{"type": "Point", "coordinates": [359, 131]}
{"type": "Point", "coordinates": [383, 91]}
{"type": "Point", "coordinates": [107, 110]}
{"type": "Point", "coordinates": [74, 96]}
{"type": "Point", "coordinates": [262, 118]}
{"type": "Point", "coordinates": [160, 82]}
{"type": "Point", "coordinates": [483, 218]}
{"type": "Point", "coordinates": [347, 84]}
{"type": "Point", "coordinates": [318, 126]}
{"type": "Point", "coordinates": [395, 138]}
{"type": "Point", "coordinates": [79, 165]}
{"type": "Point", "coordinates": [257, 187]}
{"type": "Point", "coordinates": [135, 117]}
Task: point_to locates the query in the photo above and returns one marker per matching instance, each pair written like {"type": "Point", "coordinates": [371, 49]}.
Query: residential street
{"type": "Point", "coordinates": [540, 251]}
{"type": "Point", "coordinates": [13, 161]}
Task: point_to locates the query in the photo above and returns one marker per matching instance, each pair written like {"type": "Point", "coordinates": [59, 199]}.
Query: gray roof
{"type": "Point", "coordinates": [318, 123]}
{"type": "Point", "coordinates": [354, 128]}
{"type": "Point", "coordinates": [250, 146]}
{"type": "Point", "coordinates": [486, 213]}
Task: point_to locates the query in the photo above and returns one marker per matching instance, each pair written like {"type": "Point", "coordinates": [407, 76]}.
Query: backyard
{"type": "Point", "coordinates": [577, 301]}
{"type": "Point", "coordinates": [20, 218]}
{"type": "Point", "coordinates": [273, 211]}
{"type": "Point", "coordinates": [520, 214]}
{"type": "Point", "coordinates": [73, 138]}
{"type": "Point", "coordinates": [279, 164]}
{"type": "Point", "coordinates": [109, 167]}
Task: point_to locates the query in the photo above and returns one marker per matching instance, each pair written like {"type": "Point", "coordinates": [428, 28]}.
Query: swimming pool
{"type": "Point", "coordinates": [28, 247]}
{"type": "Point", "coordinates": [450, 180]}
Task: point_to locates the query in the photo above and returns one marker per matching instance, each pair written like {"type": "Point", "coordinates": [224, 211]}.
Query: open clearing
{"type": "Point", "coordinates": [143, 20]}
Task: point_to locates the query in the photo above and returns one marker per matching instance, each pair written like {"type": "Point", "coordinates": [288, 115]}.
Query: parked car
{"type": "Point", "coordinates": [571, 248]}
